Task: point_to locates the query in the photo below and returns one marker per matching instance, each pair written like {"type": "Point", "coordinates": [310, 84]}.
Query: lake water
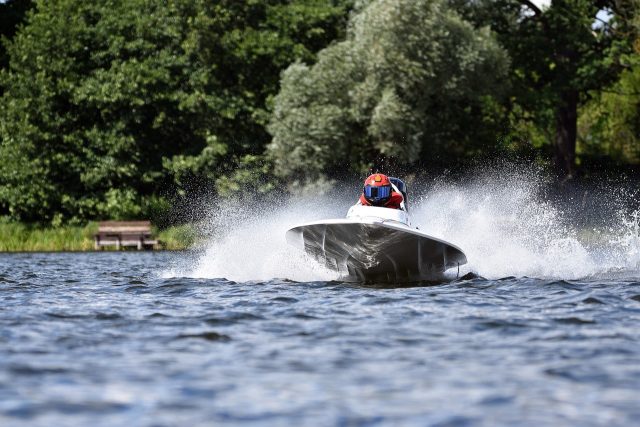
{"type": "Point", "coordinates": [246, 330]}
{"type": "Point", "coordinates": [109, 339]}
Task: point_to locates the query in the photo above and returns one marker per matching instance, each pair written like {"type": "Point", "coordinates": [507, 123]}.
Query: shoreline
{"type": "Point", "coordinates": [91, 251]}
{"type": "Point", "coordinates": [18, 237]}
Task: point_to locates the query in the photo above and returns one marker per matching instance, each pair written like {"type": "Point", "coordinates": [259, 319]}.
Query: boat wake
{"type": "Point", "coordinates": [246, 242]}
{"type": "Point", "coordinates": [507, 228]}
{"type": "Point", "coordinates": [505, 221]}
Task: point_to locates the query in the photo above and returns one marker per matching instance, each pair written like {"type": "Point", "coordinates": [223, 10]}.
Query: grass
{"type": "Point", "coordinates": [178, 237]}
{"type": "Point", "coordinates": [21, 237]}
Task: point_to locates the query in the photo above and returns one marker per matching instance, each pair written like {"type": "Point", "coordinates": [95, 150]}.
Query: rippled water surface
{"type": "Point", "coordinates": [102, 339]}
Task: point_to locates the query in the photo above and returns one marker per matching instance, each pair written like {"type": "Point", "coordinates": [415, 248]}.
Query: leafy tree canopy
{"type": "Point", "coordinates": [413, 81]}
{"type": "Point", "coordinates": [109, 101]}
{"type": "Point", "coordinates": [560, 55]}
{"type": "Point", "coordinates": [609, 123]}
{"type": "Point", "coordinates": [12, 13]}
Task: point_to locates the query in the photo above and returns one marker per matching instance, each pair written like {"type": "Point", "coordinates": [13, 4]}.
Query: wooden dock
{"type": "Point", "coordinates": [122, 234]}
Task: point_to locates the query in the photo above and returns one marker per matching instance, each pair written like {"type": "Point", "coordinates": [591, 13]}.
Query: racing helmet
{"type": "Point", "coordinates": [377, 189]}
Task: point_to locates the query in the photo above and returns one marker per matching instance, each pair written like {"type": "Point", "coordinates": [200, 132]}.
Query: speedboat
{"type": "Point", "coordinates": [376, 244]}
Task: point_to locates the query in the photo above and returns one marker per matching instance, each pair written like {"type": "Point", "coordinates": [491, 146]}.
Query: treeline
{"type": "Point", "coordinates": [121, 109]}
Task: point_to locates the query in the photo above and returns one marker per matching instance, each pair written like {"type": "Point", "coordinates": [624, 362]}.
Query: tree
{"type": "Point", "coordinates": [609, 123]}
{"type": "Point", "coordinates": [96, 95]}
{"type": "Point", "coordinates": [560, 55]}
{"type": "Point", "coordinates": [12, 13]}
{"type": "Point", "coordinates": [109, 103]}
{"type": "Point", "coordinates": [259, 40]}
{"type": "Point", "coordinates": [412, 82]}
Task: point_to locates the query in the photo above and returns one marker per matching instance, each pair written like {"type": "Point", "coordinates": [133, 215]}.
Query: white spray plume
{"type": "Point", "coordinates": [247, 241]}
{"type": "Point", "coordinates": [500, 220]}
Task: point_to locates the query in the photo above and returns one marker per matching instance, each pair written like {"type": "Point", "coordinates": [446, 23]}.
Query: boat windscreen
{"type": "Point", "coordinates": [400, 185]}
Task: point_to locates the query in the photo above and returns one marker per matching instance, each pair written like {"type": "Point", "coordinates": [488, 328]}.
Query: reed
{"type": "Point", "coordinates": [178, 237]}
{"type": "Point", "coordinates": [20, 237]}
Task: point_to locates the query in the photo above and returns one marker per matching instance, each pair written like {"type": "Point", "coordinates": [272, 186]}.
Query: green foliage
{"type": "Point", "coordinates": [561, 56]}
{"type": "Point", "coordinates": [96, 95]}
{"type": "Point", "coordinates": [20, 237]}
{"type": "Point", "coordinates": [111, 101]}
{"type": "Point", "coordinates": [412, 81]}
{"type": "Point", "coordinates": [178, 237]}
{"type": "Point", "coordinates": [265, 36]}
{"type": "Point", "coordinates": [251, 177]}
{"type": "Point", "coordinates": [12, 13]}
{"type": "Point", "coordinates": [125, 109]}
{"type": "Point", "coordinates": [23, 237]}
{"type": "Point", "coordinates": [609, 124]}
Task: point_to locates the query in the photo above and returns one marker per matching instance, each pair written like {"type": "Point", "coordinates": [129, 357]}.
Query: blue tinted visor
{"type": "Point", "coordinates": [377, 193]}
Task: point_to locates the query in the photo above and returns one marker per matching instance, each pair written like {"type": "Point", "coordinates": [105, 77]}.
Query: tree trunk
{"type": "Point", "coordinates": [564, 148]}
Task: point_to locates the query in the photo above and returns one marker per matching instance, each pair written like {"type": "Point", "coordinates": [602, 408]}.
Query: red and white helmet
{"type": "Point", "coordinates": [377, 189]}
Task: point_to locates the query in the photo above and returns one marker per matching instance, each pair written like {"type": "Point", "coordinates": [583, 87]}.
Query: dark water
{"type": "Point", "coordinates": [103, 340]}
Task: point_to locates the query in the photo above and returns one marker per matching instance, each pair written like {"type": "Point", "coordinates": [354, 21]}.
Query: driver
{"type": "Point", "coordinates": [379, 191]}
